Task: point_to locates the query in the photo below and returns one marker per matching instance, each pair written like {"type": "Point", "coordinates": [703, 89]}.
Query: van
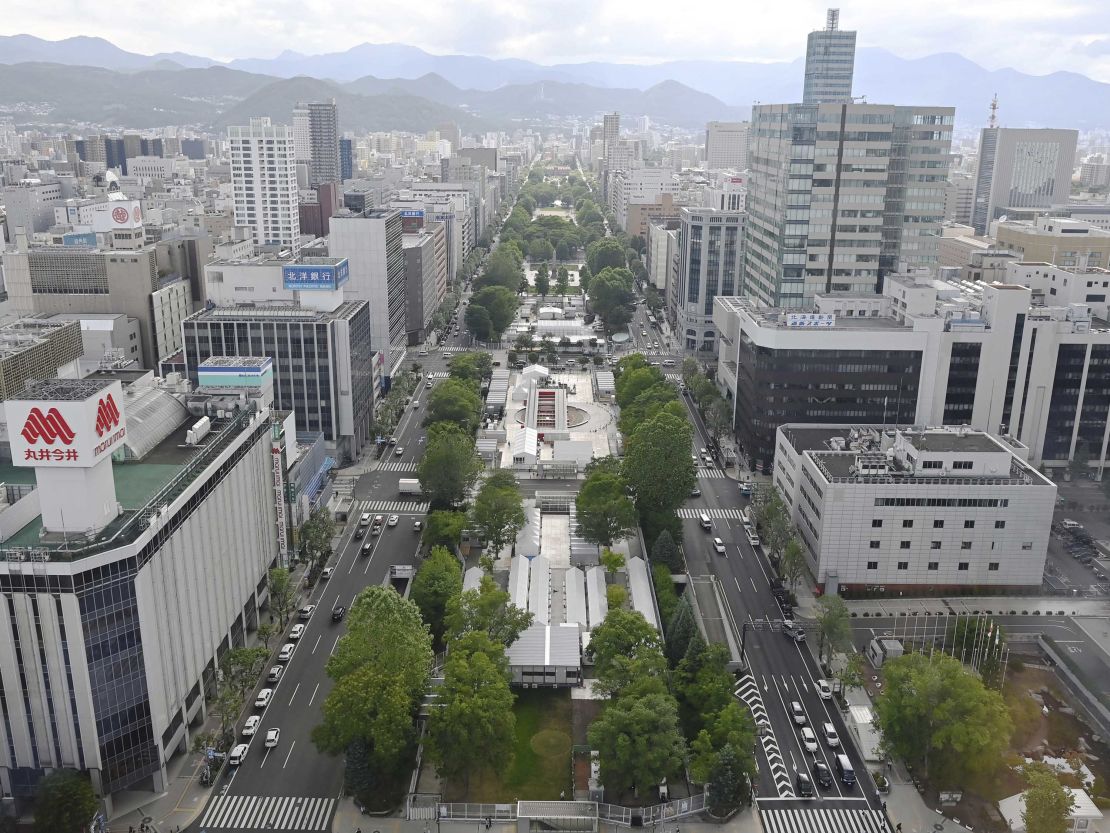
{"type": "Point", "coordinates": [844, 768]}
{"type": "Point", "coordinates": [1068, 523]}
{"type": "Point", "coordinates": [237, 754]}
{"type": "Point", "coordinates": [703, 519]}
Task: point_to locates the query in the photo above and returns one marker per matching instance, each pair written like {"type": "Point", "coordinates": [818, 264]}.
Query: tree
{"type": "Point", "coordinates": [637, 243]}
{"type": "Point", "coordinates": [486, 610]}
{"type": "Point", "coordinates": [502, 269]}
{"type": "Point", "coordinates": [604, 253]}
{"type": "Point", "coordinates": [625, 647]}
{"type": "Point", "coordinates": [691, 370]}
{"type": "Point", "coordinates": [282, 595]}
{"type": "Point", "coordinates": [443, 529]}
{"type": "Point", "coordinates": [265, 633]}
{"type": "Point", "coordinates": [562, 280]}
{"type": "Point", "coordinates": [681, 628]}
{"type": "Point", "coordinates": [438, 580]}
{"type": "Point", "coordinates": [498, 511]}
{"type": "Point", "coordinates": [850, 674]}
{"type": "Point", "coordinates": [834, 625]}
{"type": "Point", "coordinates": [359, 776]}
{"type": "Point", "coordinates": [605, 513]}
{"type": "Point", "coordinates": [449, 467]}
{"type": "Point", "coordinates": [773, 521]}
{"type": "Point", "coordinates": [793, 561]}
{"type": "Point", "coordinates": [610, 560]}
{"type": "Point", "coordinates": [611, 297]}
{"type": "Point", "coordinates": [1046, 805]}
{"type": "Point", "coordinates": [314, 539]}
{"type": "Point", "coordinates": [499, 303]}
{"type": "Point", "coordinates": [539, 249]}
{"type": "Point", "coordinates": [615, 596]}
{"type": "Point", "coordinates": [729, 786]}
{"type": "Point", "coordinates": [64, 803]}
{"type": "Point", "coordinates": [638, 741]}
{"type": "Point", "coordinates": [661, 444]}
{"type": "Point", "coordinates": [369, 704]}
{"type": "Point", "coordinates": [543, 279]}
{"type": "Point", "coordinates": [454, 401]}
{"type": "Point", "coordinates": [473, 726]}
{"type": "Point", "coordinates": [718, 418]}
{"type": "Point", "coordinates": [473, 366]}
{"type": "Point", "coordinates": [702, 684]}
{"type": "Point", "coordinates": [934, 713]}
{"type": "Point", "coordinates": [563, 250]}
{"type": "Point", "coordinates": [666, 551]}
{"type": "Point", "coordinates": [478, 322]}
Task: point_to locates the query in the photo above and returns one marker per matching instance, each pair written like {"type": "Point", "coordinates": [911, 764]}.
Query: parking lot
{"type": "Point", "coordinates": [1077, 554]}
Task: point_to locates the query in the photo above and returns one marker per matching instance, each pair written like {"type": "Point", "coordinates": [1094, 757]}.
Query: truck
{"type": "Point", "coordinates": [409, 486]}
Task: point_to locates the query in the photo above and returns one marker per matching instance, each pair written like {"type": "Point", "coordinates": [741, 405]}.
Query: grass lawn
{"type": "Point", "coordinates": [541, 764]}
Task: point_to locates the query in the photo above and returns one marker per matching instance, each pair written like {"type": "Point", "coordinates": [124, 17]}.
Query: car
{"type": "Point", "coordinates": [703, 452]}
{"type": "Point", "coordinates": [824, 689]}
{"type": "Point", "coordinates": [275, 674]}
{"type": "Point", "coordinates": [707, 459]}
{"type": "Point", "coordinates": [694, 458]}
{"type": "Point", "coordinates": [376, 530]}
{"type": "Point", "coordinates": [360, 533]}
{"type": "Point", "coordinates": [263, 699]}
{"type": "Point", "coordinates": [392, 520]}
{"type": "Point", "coordinates": [719, 546]}
{"type": "Point", "coordinates": [417, 525]}
{"type": "Point", "coordinates": [430, 377]}
{"type": "Point", "coordinates": [326, 573]}
{"type": "Point", "coordinates": [822, 774]}
{"type": "Point", "coordinates": [809, 740]}
{"type": "Point", "coordinates": [746, 487]}
{"type": "Point", "coordinates": [695, 492]}
{"type": "Point", "coordinates": [337, 613]}
{"type": "Point", "coordinates": [305, 612]}
{"type": "Point", "coordinates": [297, 632]}
{"type": "Point", "coordinates": [798, 713]}
{"type": "Point", "coordinates": [802, 785]}
{"type": "Point", "coordinates": [251, 726]}
{"type": "Point", "coordinates": [235, 757]}
{"type": "Point", "coordinates": [393, 441]}
{"type": "Point", "coordinates": [273, 736]}
{"type": "Point", "coordinates": [643, 332]}
{"type": "Point", "coordinates": [286, 652]}
{"type": "Point", "coordinates": [368, 547]}
{"type": "Point", "coordinates": [398, 451]}
{"type": "Point", "coordinates": [832, 739]}
{"type": "Point", "coordinates": [792, 630]}
{"type": "Point", "coordinates": [379, 520]}
{"type": "Point", "coordinates": [415, 404]}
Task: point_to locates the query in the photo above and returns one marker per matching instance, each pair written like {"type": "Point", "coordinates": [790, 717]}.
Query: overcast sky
{"type": "Point", "coordinates": [1036, 36]}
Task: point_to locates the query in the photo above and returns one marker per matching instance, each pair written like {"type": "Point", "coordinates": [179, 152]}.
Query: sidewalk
{"type": "Point", "coordinates": [971, 605]}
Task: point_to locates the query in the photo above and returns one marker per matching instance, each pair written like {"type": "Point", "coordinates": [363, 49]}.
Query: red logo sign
{"type": "Point", "coordinates": [48, 427]}
{"type": "Point", "coordinates": [120, 215]}
{"type": "Point", "coordinates": [137, 214]}
{"type": "Point", "coordinates": [107, 415]}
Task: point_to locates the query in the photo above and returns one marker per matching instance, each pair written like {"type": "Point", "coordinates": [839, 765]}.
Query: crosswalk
{"type": "Point", "coordinates": [437, 374]}
{"type": "Point", "coordinates": [747, 691]}
{"type": "Point", "coordinates": [807, 820]}
{"type": "Point", "coordinates": [393, 465]}
{"type": "Point", "coordinates": [674, 377]}
{"type": "Point", "coordinates": [715, 514]}
{"type": "Point", "coordinates": [398, 506]}
{"type": "Point", "coordinates": [267, 812]}
{"type": "Point", "coordinates": [708, 471]}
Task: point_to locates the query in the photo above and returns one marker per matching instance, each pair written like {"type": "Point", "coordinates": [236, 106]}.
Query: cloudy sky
{"type": "Point", "coordinates": [1030, 35]}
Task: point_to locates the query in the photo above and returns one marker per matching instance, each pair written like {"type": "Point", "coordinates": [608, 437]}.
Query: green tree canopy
{"type": "Point", "coordinates": [638, 741]}
{"type": "Point", "coordinates": [605, 253]}
{"type": "Point", "coordinates": [502, 269]}
{"type": "Point", "coordinates": [487, 610]}
{"type": "Point", "coordinates": [282, 594]}
{"type": "Point", "coordinates": [500, 304]}
{"type": "Point", "coordinates": [660, 444]}
{"type": "Point", "coordinates": [498, 512]}
{"type": "Point", "coordinates": [834, 626]}
{"type": "Point", "coordinates": [543, 279]}
{"type": "Point", "coordinates": [443, 528]}
{"type": "Point", "coordinates": [605, 513]}
{"type": "Point", "coordinates": [625, 648]}
{"type": "Point", "coordinates": [369, 704]}
{"type": "Point", "coordinates": [456, 402]}
{"type": "Point", "coordinates": [472, 366]}
{"type": "Point", "coordinates": [1047, 806]}
{"type": "Point", "coordinates": [449, 466]}
{"type": "Point", "coordinates": [666, 551]}
{"type": "Point", "coordinates": [64, 803]}
{"type": "Point", "coordinates": [438, 580]}
{"type": "Point", "coordinates": [611, 296]}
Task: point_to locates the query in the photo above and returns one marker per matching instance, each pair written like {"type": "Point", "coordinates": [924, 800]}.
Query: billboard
{"type": "Point", "coordinates": [79, 238]}
{"type": "Point", "coordinates": [412, 212]}
{"type": "Point", "coordinates": [316, 277]}
{"type": "Point", "coordinates": [810, 319]}
{"type": "Point", "coordinates": [67, 433]}
{"type": "Point", "coordinates": [109, 216]}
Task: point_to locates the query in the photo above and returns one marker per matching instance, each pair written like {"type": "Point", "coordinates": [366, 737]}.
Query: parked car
{"type": "Point", "coordinates": [263, 698]}
{"type": "Point", "coordinates": [824, 689]}
{"type": "Point", "coordinates": [326, 573]}
{"type": "Point", "coordinates": [832, 739]}
{"type": "Point", "coordinates": [305, 613]}
{"type": "Point", "coordinates": [794, 631]}
{"type": "Point", "coordinates": [251, 726]}
{"type": "Point", "coordinates": [236, 756]}
{"type": "Point", "coordinates": [417, 525]}
{"type": "Point", "coordinates": [297, 632]}
{"type": "Point", "coordinates": [275, 674]}
{"type": "Point", "coordinates": [286, 652]}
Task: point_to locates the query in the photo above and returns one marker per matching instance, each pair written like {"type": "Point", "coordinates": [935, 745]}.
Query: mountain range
{"type": "Point", "coordinates": [481, 91]}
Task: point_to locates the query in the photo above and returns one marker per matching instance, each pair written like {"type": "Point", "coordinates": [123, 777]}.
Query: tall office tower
{"type": "Point", "coordinates": [1021, 168]}
{"type": "Point", "coordinates": [610, 130]}
{"type": "Point", "coordinates": [726, 145]}
{"type": "Point", "coordinates": [302, 142]}
{"type": "Point", "coordinates": [840, 194]}
{"type": "Point", "coordinates": [264, 181]}
{"type": "Point", "coordinates": [372, 241]}
{"type": "Point", "coordinates": [346, 159]}
{"type": "Point", "coordinates": [710, 261]}
{"type": "Point", "coordinates": [323, 136]}
{"type": "Point", "coordinates": [830, 62]}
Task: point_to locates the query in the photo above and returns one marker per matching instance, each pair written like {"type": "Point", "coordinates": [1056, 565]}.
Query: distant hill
{"type": "Point", "coordinates": [85, 51]}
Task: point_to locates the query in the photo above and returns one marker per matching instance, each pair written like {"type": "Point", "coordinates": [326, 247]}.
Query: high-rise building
{"type": "Point", "coordinates": [1021, 168]}
{"type": "Point", "coordinates": [37, 348]}
{"type": "Point", "coordinates": [264, 181]}
{"type": "Point", "coordinates": [959, 197]}
{"type": "Point", "coordinates": [420, 284]}
{"type": "Point", "coordinates": [830, 63]}
{"type": "Point", "coordinates": [610, 131]}
{"type": "Point", "coordinates": [373, 245]}
{"type": "Point", "coordinates": [323, 138]}
{"type": "Point", "coordinates": [302, 141]}
{"type": "Point", "coordinates": [710, 258]}
{"type": "Point", "coordinates": [840, 194]}
{"type": "Point", "coordinates": [346, 159]}
{"type": "Point", "coordinates": [726, 145]}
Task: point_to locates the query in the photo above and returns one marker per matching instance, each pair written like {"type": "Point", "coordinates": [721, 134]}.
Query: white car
{"type": "Point", "coordinates": [275, 673]}
{"type": "Point", "coordinates": [831, 737]}
{"type": "Point", "coordinates": [392, 521]}
{"type": "Point", "coordinates": [251, 726]}
{"type": "Point", "coordinates": [305, 612]}
{"type": "Point", "coordinates": [286, 652]}
{"type": "Point", "coordinates": [719, 545]}
{"type": "Point", "coordinates": [273, 736]}
{"type": "Point", "coordinates": [809, 740]}
{"type": "Point", "coordinates": [326, 573]}
{"type": "Point", "coordinates": [263, 699]}
{"type": "Point", "coordinates": [297, 632]}
{"type": "Point", "coordinates": [237, 754]}
{"type": "Point", "coordinates": [824, 689]}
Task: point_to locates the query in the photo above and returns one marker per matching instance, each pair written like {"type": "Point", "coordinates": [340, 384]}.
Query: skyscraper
{"type": "Point", "coordinates": [710, 258]}
{"type": "Point", "coordinates": [323, 139]}
{"type": "Point", "coordinates": [830, 62]}
{"type": "Point", "coordinates": [302, 143]}
{"type": "Point", "coordinates": [840, 194]}
{"type": "Point", "coordinates": [1021, 168]}
{"type": "Point", "coordinates": [264, 181]}
{"type": "Point", "coordinates": [610, 131]}
{"type": "Point", "coordinates": [726, 145]}
{"type": "Point", "coordinates": [346, 159]}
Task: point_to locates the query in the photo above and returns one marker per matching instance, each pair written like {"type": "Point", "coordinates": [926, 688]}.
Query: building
{"type": "Point", "coordinates": [1021, 168]}
{"type": "Point", "coordinates": [641, 187]}
{"type": "Point", "coordinates": [421, 302]}
{"type": "Point", "coordinates": [264, 182]}
{"type": "Point", "coordinates": [1053, 286]}
{"type": "Point", "coordinates": [959, 198]}
{"type": "Point", "coordinates": [726, 145]}
{"type": "Point", "coordinates": [30, 206]}
{"type": "Point", "coordinates": [1061, 241]}
{"type": "Point", "coordinates": [107, 339]}
{"type": "Point", "coordinates": [34, 348]}
{"type": "Point", "coordinates": [302, 141]}
{"type": "Point", "coordinates": [710, 259]}
{"type": "Point", "coordinates": [322, 362]}
{"type": "Point", "coordinates": [315, 215]}
{"type": "Point", "coordinates": [881, 169]}
{"type": "Point", "coordinates": [925, 352]}
{"type": "Point", "coordinates": [946, 509]}
{"type": "Point", "coordinates": [143, 552]}
{"type": "Point", "coordinates": [323, 142]}
{"type": "Point", "coordinates": [372, 243]}
{"type": "Point", "coordinates": [346, 159]}
{"type": "Point", "coordinates": [830, 63]}
{"type": "Point", "coordinates": [610, 132]}
{"type": "Point", "coordinates": [660, 254]}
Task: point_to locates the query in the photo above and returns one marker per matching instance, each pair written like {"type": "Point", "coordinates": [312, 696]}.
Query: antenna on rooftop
{"type": "Point", "coordinates": [832, 20]}
{"type": "Point", "coordinates": [993, 121]}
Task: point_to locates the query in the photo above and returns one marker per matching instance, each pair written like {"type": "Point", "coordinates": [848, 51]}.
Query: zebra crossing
{"type": "Point", "coordinates": [747, 691]}
{"type": "Point", "coordinates": [437, 374]}
{"type": "Point", "coordinates": [673, 377]}
{"type": "Point", "coordinates": [393, 465]}
{"type": "Point", "coordinates": [708, 471]}
{"type": "Point", "coordinates": [806, 820]}
{"type": "Point", "coordinates": [267, 812]}
{"type": "Point", "coordinates": [715, 514]}
{"type": "Point", "coordinates": [394, 506]}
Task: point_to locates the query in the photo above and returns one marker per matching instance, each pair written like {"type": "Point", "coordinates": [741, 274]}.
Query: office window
{"type": "Point", "coordinates": [962, 565]}
{"type": "Point", "coordinates": [938, 524]}
{"type": "Point", "coordinates": [934, 545]}
{"type": "Point", "coordinates": [969, 524]}
{"type": "Point", "coordinates": [931, 464]}
{"type": "Point", "coordinates": [999, 524]}
{"type": "Point", "coordinates": [876, 522]}
{"type": "Point", "coordinates": [874, 545]}
{"type": "Point", "coordinates": [934, 565]}
{"type": "Point", "coordinates": [906, 524]}
{"type": "Point", "coordinates": [993, 567]}
{"type": "Point", "coordinates": [965, 545]}
{"type": "Point", "coordinates": [961, 465]}
{"type": "Point", "coordinates": [872, 565]}
{"type": "Point", "coordinates": [903, 565]}
{"type": "Point", "coordinates": [905, 545]}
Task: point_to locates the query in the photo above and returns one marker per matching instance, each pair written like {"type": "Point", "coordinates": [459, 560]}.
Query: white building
{"type": "Point", "coordinates": [660, 255]}
{"type": "Point", "coordinates": [1021, 168]}
{"type": "Point", "coordinates": [726, 145]}
{"type": "Point", "coordinates": [264, 180]}
{"type": "Point", "coordinates": [946, 508]}
{"type": "Point", "coordinates": [130, 577]}
{"type": "Point", "coordinates": [639, 186]}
